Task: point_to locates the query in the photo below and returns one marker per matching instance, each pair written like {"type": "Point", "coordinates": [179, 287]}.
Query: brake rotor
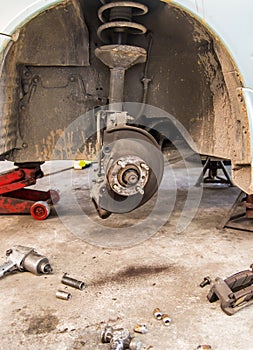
{"type": "Point", "coordinates": [133, 168]}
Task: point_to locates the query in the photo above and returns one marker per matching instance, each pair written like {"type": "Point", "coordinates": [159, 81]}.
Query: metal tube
{"type": "Point", "coordinates": [60, 294]}
{"type": "Point", "coordinates": [117, 82]}
{"type": "Point", "coordinates": [71, 282]}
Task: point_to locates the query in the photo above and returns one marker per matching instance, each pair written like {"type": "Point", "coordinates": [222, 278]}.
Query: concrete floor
{"type": "Point", "coordinates": [126, 283]}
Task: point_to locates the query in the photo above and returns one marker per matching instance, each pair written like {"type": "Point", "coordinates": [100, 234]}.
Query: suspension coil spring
{"type": "Point", "coordinates": [116, 17]}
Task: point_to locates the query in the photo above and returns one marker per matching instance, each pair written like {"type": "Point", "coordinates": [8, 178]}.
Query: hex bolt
{"type": "Point", "coordinates": [157, 313]}
{"type": "Point", "coordinates": [116, 344]}
{"type": "Point", "coordinates": [116, 188]}
{"type": "Point", "coordinates": [72, 282]}
{"type": "Point", "coordinates": [60, 294]}
{"type": "Point", "coordinates": [121, 164]}
{"type": "Point", "coordinates": [140, 190]}
{"type": "Point", "coordinates": [135, 344]}
{"type": "Point", "coordinates": [145, 166]}
{"type": "Point", "coordinates": [207, 280]}
{"type": "Point", "coordinates": [140, 328]}
{"type": "Point", "coordinates": [166, 320]}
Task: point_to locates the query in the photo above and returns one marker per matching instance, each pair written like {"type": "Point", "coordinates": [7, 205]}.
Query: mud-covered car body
{"type": "Point", "coordinates": [200, 70]}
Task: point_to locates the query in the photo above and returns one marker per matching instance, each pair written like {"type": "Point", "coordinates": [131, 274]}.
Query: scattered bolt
{"type": "Point", "coordinates": [116, 344]}
{"type": "Point", "coordinates": [207, 280]}
{"type": "Point", "coordinates": [145, 166]}
{"type": "Point", "coordinates": [116, 188]}
{"type": "Point", "coordinates": [166, 320]}
{"type": "Point", "coordinates": [140, 190]}
{"type": "Point", "coordinates": [121, 164]}
{"type": "Point", "coordinates": [141, 328]}
{"type": "Point", "coordinates": [157, 313]}
{"type": "Point", "coordinates": [60, 294]}
{"type": "Point", "coordinates": [135, 344]}
{"type": "Point", "coordinates": [120, 339]}
{"type": "Point", "coordinates": [35, 80]}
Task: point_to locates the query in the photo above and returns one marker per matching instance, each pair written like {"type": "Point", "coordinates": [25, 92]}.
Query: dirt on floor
{"type": "Point", "coordinates": [130, 264]}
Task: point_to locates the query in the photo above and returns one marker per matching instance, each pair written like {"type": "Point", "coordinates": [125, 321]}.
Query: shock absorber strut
{"type": "Point", "coordinates": [130, 165]}
{"type": "Point", "coordinates": [116, 17]}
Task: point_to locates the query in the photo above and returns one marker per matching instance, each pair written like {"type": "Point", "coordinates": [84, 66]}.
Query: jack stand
{"type": "Point", "coordinates": [16, 199]}
{"type": "Point", "coordinates": [212, 166]}
{"type": "Point", "coordinates": [240, 219]}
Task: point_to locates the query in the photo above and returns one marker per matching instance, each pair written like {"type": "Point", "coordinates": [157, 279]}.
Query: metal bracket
{"type": "Point", "coordinates": [234, 293]}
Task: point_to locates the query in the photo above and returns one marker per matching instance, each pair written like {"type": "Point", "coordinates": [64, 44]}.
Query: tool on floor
{"type": "Point", "coordinates": [206, 281]}
{"type": "Point", "coordinates": [21, 258]}
{"type": "Point", "coordinates": [72, 282]}
{"type": "Point", "coordinates": [141, 328]}
{"type": "Point", "coordinates": [120, 339]}
{"type": "Point", "coordinates": [16, 199]}
{"type": "Point", "coordinates": [157, 313]}
{"type": "Point", "coordinates": [166, 320]}
{"type": "Point", "coordinates": [235, 292]}
{"type": "Point", "coordinates": [60, 294]}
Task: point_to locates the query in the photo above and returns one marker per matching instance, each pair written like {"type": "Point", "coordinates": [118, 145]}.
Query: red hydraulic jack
{"type": "Point", "coordinates": [16, 199]}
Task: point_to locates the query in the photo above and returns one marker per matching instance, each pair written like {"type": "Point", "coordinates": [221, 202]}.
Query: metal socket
{"type": "Point", "coordinates": [72, 282]}
{"type": "Point", "coordinates": [166, 320]}
{"type": "Point", "coordinates": [157, 313]}
{"type": "Point", "coordinates": [60, 294]}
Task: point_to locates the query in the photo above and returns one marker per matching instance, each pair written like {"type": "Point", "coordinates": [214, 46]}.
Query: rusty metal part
{"type": "Point", "coordinates": [157, 313]}
{"type": "Point", "coordinates": [72, 282]}
{"type": "Point", "coordinates": [116, 17]}
{"type": "Point", "coordinates": [141, 328]}
{"type": "Point", "coordinates": [239, 217]}
{"type": "Point", "coordinates": [60, 294]}
{"type": "Point", "coordinates": [249, 206]}
{"type": "Point", "coordinates": [166, 319]}
{"type": "Point", "coordinates": [204, 347]}
{"type": "Point", "coordinates": [21, 258]}
{"type": "Point", "coordinates": [206, 280]}
{"type": "Point", "coordinates": [119, 58]}
{"type": "Point", "coordinates": [137, 151]}
{"type": "Point", "coordinates": [234, 293]}
{"type": "Point", "coordinates": [128, 176]}
{"type": "Point", "coordinates": [119, 339]}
